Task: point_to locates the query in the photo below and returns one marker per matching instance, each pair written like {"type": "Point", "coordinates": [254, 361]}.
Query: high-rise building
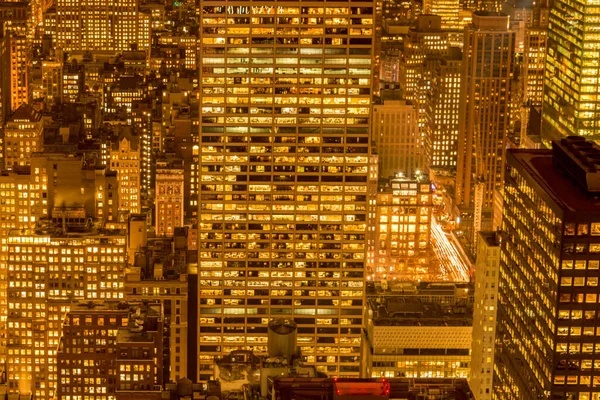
{"type": "Point", "coordinates": [402, 234]}
{"type": "Point", "coordinates": [402, 345]}
{"type": "Point", "coordinates": [121, 350]}
{"type": "Point", "coordinates": [426, 38]}
{"type": "Point", "coordinates": [125, 160]}
{"type": "Point", "coordinates": [158, 271]}
{"type": "Point", "coordinates": [484, 119]}
{"type": "Point", "coordinates": [101, 25]}
{"type": "Point", "coordinates": [396, 138]}
{"type": "Point", "coordinates": [485, 308]}
{"type": "Point", "coordinates": [19, 55]}
{"type": "Point", "coordinates": [548, 289]}
{"type": "Point", "coordinates": [169, 194]}
{"type": "Point", "coordinates": [570, 105]}
{"type": "Point", "coordinates": [142, 115]}
{"type": "Point", "coordinates": [23, 135]}
{"type": "Point", "coordinates": [534, 56]}
{"type": "Point", "coordinates": [448, 10]}
{"type": "Point", "coordinates": [14, 17]}
{"type": "Point", "coordinates": [52, 269]}
{"type": "Point", "coordinates": [285, 96]}
{"type": "Point", "coordinates": [52, 78]}
{"type": "Point", "coordinates": [73, 78]}
{"type": "Point", "coordinates": [441, 111]}
{"type": "Point", "coordinates": [19, 197]}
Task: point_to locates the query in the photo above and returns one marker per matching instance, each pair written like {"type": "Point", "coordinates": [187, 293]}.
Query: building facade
{"type": "Point", "coordinates": [53, 269]}
{"type": "Point", "coordinates": [424, 331]}
{"type": "Point", "coordinates": [402, 235]}
{"type": "Point", "coordinates": [484, 118]}
{"type": "Point", "coordinates": [125, 157]}
{"type": "Point", "coordinates": [110, 347]}
{"type": "Point", "coordinates": [485, 310]}
{"type": "Point", "coordinates": [548, 287]}
{"type": "Point", "coordinates": [534, 56]}
{"type": "Point", "coordinates": [441, 111]}
{"type": "Point", "coordinates": [23, 135]}
{"type": "Point", "coordinates": [570, 85]}
{"type": "Point", "coordinates": [101, 25]}
{"type": "Point", "coordinates": [283, 160]}
{"type": "Point", "coordinates": [169, 196]}
{"type": "Point", "coordinates": [396, 136]}
{"type": "Point", "coordinates": [426, 38]}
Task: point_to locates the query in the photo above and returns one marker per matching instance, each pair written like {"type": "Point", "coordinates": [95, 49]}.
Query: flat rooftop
{"type": "Point", "coordinates": [563, 191]}
{"type": "Point", "coordinates": [425, 304]}
{"type": "Point", "coordinates": [490, 237]}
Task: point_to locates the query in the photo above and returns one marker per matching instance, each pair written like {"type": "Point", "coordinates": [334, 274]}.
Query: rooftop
{"type": "Point", "coordinates": [143, 323]}
{"type": "Point", "coordinates": [491, 238]}
{"type": "Point", "coordinates": [554, 180]}
{"type": "Point", "coordinates": [424, 304]}
{"type": "Point", "coordinates": [25, 113]}
{"type": "Point", "coordinates": [98, 307]}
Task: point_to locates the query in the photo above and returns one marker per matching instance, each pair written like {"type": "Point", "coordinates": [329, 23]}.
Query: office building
{"type": "Point", "coordinates": [142, 117]}
{"type": "Point", "coordinates": [53, 268]}
{"type": "Point", "coordinates": [440, 110]}
{"type": "Point", "coordinates": [402, 234]}
{"type": "Point", "coordinates": [19, 209]}
{"type": "Point", "coordinates": [121, 350]}
{"type": "Point", "coordinates": [101, 25]}
{"type": "Point", "coordinates": [570, 102]}
{"type": "Point", "coordinates": [396, 138]}
{"type": "Point", "coordinates": [106, 195]}
{"type": "Point", "coordinates": [125, 160]}
{"type": "Point", "coordinates": [448, 10]}
{"type": "Point", "coordinates": [485, 310]}
{"type": "Point", "coordinates": [23, 135]}
{"type": "Point", "coordinates": [73, 79]}
{"type": "Point", "coordinates": [534, 56]}
{"type": "Point", "coordinates": [158, 271]}
{"type": "Point", "coordinates": [169, 203]}
{"type": "Point", "coordinates": [483, 120]}
{"type": "Point", "coordinates": [19, 56]}
{"type": "Point", "coordinates": [120, 96]}
{"type": "Point", "coordinates": [52, 78]}
{"type": "Point", "coordinates": [426, 38]}
{"type": "Point", "coordinates": [284, 158]}
{"type": "Point", "coordinates": [548, 288]}
{"type": "Point", "coordinates": [420, 331]}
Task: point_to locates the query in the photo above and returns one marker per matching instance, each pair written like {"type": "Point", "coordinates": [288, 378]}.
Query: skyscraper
{"type": "Point", "coordinates": [546, 335]}
{"type": "Point", "coordinates": [284, 157]}
{"type": "Point", "coordinates": [426, 38]}
{"type": "Point", "coordinates": [534, 56]}
{"type": "Point", "coordinates": [484, 118]}
{"type": "Point", "coordinates": [440, 108]}
{"type": "Point", "coordinates": [570, 104]}
{"type": "Point", "coordinates": [396, 138]}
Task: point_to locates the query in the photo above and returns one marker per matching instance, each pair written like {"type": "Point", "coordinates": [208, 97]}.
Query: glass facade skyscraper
{"type": "Point", "coordinates": [548, 321]}
{"type": "Point", "coordinates": [283, 161]}
{"type": "Point", "coordinates": [571, 104]}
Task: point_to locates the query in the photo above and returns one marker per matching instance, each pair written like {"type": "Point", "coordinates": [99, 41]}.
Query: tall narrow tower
{"type": "Point", "coordinates": [283, 160]}
{"type": "Point", "coordinates": [484, 117]}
